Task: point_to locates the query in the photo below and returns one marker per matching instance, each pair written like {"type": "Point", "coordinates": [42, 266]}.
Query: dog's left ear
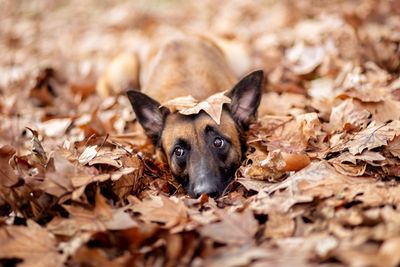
{"type": "Point", "coordinates": [245, 98]}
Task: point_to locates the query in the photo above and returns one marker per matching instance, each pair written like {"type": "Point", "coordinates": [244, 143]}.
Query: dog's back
{"type": "Point", "coordinates": [185, 65]}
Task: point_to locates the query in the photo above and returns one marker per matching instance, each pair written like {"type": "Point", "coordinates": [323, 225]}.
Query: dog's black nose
{"type": "Point", "coordinates": [211, 192]}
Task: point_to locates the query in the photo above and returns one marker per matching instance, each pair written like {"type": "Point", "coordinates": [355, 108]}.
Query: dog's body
{"type": "Point", "coordinates": [202, 154]}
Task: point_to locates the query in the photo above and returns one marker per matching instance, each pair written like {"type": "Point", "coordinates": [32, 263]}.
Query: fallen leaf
{"type": "Point", "coordinates": [279, 225]}
{"type": "Point", "coordinates": [88, 154]}
{"type": "Point", "coordinates": [242, 256]}
{"type": "Point", "coordinates": [57, 181]}
{"type": "Point", "coordinates": [394, 146]}
{"type": "Point", "coordinates": [304, 59]}
{"type": "Point", "coordinates": [312, 174]}
{"type": "Point", "coordinates": [55, 127]}
{"type": "Point", "coordinates": [17, 242]}
{"type": "Point", "coordinates": [170, 212]}
{"type": "Point", "coordinates": [234, 228]}
{"type": "Point", "coordinates": [375, 135]}
{"type": "Point", "coordinates": [348, 116]}
{"type": "Point", "coordinates": [8, 177]}
{"type": "Point", "coordinates": [97, 257]}
{"type": "Point", "coordinates": [101, 218]}
{"type": "Point", "coordinates": [37, 148]}
{"type": "Point", "coordinates": [212, 105]}
{"type": "Point", "coordinates": [79, 182]}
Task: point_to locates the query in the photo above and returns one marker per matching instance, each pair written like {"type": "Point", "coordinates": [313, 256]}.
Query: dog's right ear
{"type": "Point", "coordinates": [149, 114]}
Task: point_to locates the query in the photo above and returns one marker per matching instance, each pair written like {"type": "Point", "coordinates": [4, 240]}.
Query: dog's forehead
{"type": "Point", "coordinates": [191, 128]}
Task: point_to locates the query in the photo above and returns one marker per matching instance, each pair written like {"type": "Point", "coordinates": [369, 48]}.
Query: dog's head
{"type": "Point", "coordinates": [203, 156]}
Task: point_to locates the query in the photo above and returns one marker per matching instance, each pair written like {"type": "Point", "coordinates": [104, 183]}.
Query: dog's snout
{"type": "Point", "coordinates": [205, 189]}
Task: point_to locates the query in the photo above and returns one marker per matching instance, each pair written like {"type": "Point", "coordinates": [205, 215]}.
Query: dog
{"type": "Point", "coordinates": [203, 156]}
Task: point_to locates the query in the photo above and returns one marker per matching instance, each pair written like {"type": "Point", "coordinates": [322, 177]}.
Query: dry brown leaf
{"type": "Point", "coordinates": [355, 165]}
{"type": "Point", "coordinates": [92, 257]}
{"type": "Point", "coordinates": [394, 146]}
{"type": "Point", "coordinates": [263, 203]}
{"type": "Point", "coordinates": [289, 138]}
{"type": "Point", "coordinates": [234, 228]}
{"type": "Point", "coordinates": [111, 160]}
{"type": "Point", "coordinates": [32, 243]}
{"type": "Point", "coordinates": [55, 127]}
{"type": "Point", "coordinates": [239, 257]}
{"type": "Point", "coordinates": [279, 225]}
{"type": "Point", "coordinates": [101, 218]}
{"type": "Point", "coordinates": [382, 112]}
{"type": "Point", "coordinates": [283, 104]}
{"type": "Point", "coordinates": [269, 167]}
{"type": "Point", "coordinates": [274, 165]}
{"type": "Point", "coordinates": [8, 177]}
{"type": "Point", "coordinates": [79, 182]}
{"type": "Point", "coordinates": [348, 116]}
{"type": "Point", "coordinates": [58, 180]}
{"type": "Point", "coordinates": [37, 148]}
{"type": "Point", "coordinates": [188, 105]}
{"type": "Point", "coordinates": [170, 212]}
{"type": "Point", "coordinates": [304, 59]}
{"type": "Point", "coordinates": [375, 135]}
{"type": "Point", "coordinates": [312, 174]}
{"type": "Point", "coordinates": [88, 154]}
{"type": "Point", "coordinates": [309, 125]}
{"type": "Point", "coordinates": [180, 103]}
{"type": "Point", "coordinates": [365, 94]}
{"type": "Point", "coordinates": [251, 184]}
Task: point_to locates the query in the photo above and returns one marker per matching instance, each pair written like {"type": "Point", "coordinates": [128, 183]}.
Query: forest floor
{"type": "Point", "coordinates": [79, 183]}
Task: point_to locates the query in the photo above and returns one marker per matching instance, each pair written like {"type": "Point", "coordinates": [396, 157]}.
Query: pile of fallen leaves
{"type": "Point", "coordinates": [80, 184]}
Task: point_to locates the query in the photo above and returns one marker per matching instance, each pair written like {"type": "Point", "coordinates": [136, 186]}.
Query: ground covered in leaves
{"type": "Point", "coordinates": [80, 186]}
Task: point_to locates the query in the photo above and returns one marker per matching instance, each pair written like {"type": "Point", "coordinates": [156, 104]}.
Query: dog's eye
{"type": "Point", "coordinates": [218, 142]}
{"type": "Point", "coordinates": [178, 151]}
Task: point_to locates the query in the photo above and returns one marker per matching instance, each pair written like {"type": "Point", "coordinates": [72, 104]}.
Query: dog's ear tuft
{"type": "Point", "coordinates": [245, 97]}
{"type": "Point", "coordinates": [149, 114]}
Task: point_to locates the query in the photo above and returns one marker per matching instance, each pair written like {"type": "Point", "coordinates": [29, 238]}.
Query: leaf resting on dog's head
{"type": "Point", "coordinates": [188, 105]}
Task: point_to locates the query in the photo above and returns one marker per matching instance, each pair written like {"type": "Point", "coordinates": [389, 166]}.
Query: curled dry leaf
{"type": "Point", "coordinates": [234, 228]}
{"type": "Point", "coordinates": [8, 177]}
{"type": "Point", "coordinates": [101, 218]}
{"type": "Point", "coordinates": [394, 146]}
{"type": "Point", "coordinates": [309, 125]}
{"type": "Point", "coordinates": [188, 105]}
{"type": "Point", "coordinates": [242, 256]}
{"type": "Point", "coordinates": [375, 135]}
{"type": "Point", "coordinates": [79, 182]}
{"type": "Point", "coordinates": [304, 59]}
{"type": "Point", "coordinates": [88, 154]}
{"type": "Point", "coordinates": [37, 148]}
{"type": "Point", "coordinates": [263, 166]}
{"type": "Point", "coordinates": [348, 116]}
{"type": "Point", "coordinates": [279, 225]}
{"type": "Point", "coordinates": [170, 212]}
{"type": "Point", "coordinates": [313, 173]}
{"type": "Point", "coordinates": [32, 244]}
{"type": "Point", "coordinates": [274, 165]}
{"type": "Point", "coordinates": [55, 127]}
{"type": "Point", "coordinates": [57, 181]}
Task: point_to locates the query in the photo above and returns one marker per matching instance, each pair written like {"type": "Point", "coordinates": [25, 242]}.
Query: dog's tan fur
{"type": "Point", "coordinates": [186, 65]}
